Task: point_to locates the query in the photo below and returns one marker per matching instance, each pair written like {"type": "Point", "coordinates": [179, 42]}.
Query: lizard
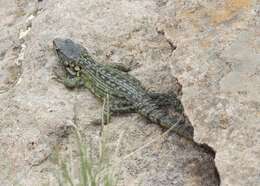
{"type": "Point", "coordinates": [112, 81]}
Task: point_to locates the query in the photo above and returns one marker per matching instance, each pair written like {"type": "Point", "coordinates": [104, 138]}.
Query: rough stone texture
{"type": "Point", "coordinates": [216, 61]}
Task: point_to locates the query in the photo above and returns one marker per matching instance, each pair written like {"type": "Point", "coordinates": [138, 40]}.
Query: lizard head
{"type": "Point", "coordinates": [68, 53]}
{"type": "Point", "coordinates": [72, 55]}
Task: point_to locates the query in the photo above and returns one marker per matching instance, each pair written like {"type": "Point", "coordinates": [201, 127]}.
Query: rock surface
{"type": "Point", "coordinates": [213, 49]}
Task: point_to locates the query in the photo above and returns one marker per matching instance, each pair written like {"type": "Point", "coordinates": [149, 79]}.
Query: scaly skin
{"type": "Point", "coordinates": [125, 93]}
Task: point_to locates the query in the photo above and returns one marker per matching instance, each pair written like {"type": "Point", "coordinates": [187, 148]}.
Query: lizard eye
{"type": "Point", "coordinates": [77, 68]}
{"type": "Point", "coordinates": [66, 63]}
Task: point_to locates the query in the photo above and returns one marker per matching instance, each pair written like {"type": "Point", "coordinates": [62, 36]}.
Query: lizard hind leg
{"type": "Point", "coordinates": [178, 125]}
{"type": "Point", "coordinates": [112, 106]}
{"type": "Point", "coordinates": [167, 99]}
{"type": "Point", "coordinates": [119, 105]}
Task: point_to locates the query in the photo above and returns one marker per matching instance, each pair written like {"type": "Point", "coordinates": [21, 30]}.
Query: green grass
{"type": "Point", "coordinates": [91, 171]}
{"type": "Point", "coordinates": [100, 171]}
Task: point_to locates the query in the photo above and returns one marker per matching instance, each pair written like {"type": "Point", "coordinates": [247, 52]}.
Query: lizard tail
{"type": "Point", "coordinates": [175, 123]}
{"type": "Point", "coordinates": [178, 125]}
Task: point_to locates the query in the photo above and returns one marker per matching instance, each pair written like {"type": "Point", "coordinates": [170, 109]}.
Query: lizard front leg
{"type": "Point", "coordinates": [69, 81]}
{"type": "Point", "coordinates": [120, 66]}
{"type": "Point", "coordinates": [74, 82]}
{"type": "Point", "coordinates": [124, 68]}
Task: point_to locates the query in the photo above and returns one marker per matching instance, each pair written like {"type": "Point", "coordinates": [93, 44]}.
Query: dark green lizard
{"type": "Point", "coordinates": [125, 93]}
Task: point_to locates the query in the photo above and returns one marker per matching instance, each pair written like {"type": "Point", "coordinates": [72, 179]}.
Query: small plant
{"type": "Point", "coordinates": [91, 172]}
{"type": "Point", "coordinates": [99, 171]}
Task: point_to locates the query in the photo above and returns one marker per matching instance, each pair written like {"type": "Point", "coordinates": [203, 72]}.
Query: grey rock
{"type": "Point", "coordinates": [215, 60]}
